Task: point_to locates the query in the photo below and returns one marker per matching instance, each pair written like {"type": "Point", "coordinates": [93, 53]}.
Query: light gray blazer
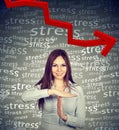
{"type": "Point", "coordinates": [74, 108]}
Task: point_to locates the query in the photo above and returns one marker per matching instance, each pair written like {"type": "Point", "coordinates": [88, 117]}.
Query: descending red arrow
{"type": "Point", "coordinates": [103, 39]}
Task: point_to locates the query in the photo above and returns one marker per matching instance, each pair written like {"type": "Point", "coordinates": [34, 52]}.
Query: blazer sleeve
{"type": "Point", "coordinates": [79, 119]}
{"type": "Point", "coordinates": [34, 94]}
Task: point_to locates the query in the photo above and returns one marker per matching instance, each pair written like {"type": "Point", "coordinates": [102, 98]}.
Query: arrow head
{"type": "Point", "coordinates": [108, 41]}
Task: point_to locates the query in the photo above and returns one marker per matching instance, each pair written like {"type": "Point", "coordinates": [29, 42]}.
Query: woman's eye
{"type": "Point", "coordinates": [63, 65]}
{"type": "Point", "coordinates": [54, 65]}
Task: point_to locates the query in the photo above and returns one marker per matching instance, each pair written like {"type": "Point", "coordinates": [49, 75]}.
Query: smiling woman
{"type": "Point", "coordinates": [61, 99]}
{"type": "Point", "coordinates": [59, 68]}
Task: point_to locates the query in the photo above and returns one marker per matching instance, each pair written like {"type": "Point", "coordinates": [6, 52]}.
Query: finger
{"type": "Point", "coordinates": [59, 102]}
{"type": "Point", "coordinates": [59, 98]}
{"type": "Point", "coordinates": [59, 107]}
{"type": "Point", "coordinates": [64, 94]}
{"type": "Point", "coordinates": [69, 95]}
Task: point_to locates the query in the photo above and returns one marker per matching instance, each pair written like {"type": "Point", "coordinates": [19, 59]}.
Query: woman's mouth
{"type": "Point", "coordinates": [59, 74]}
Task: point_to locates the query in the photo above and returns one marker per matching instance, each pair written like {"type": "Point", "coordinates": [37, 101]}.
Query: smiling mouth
{"type": "Point", "coordinates": [59, 74]}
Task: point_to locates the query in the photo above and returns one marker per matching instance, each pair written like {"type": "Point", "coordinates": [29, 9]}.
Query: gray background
{"type": "Point", "coordinates": [25, 43]}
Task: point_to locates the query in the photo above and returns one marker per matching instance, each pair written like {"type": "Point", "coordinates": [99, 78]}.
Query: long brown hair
{"type": "Point", "coordinates": [45, 81]}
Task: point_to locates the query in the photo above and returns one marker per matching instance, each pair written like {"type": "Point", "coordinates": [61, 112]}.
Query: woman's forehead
{"type": "Point", "coordinates": [59, 59]}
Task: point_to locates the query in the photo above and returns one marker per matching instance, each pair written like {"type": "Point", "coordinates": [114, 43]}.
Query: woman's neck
{"type": "Point", "coordinates": [59, 84]}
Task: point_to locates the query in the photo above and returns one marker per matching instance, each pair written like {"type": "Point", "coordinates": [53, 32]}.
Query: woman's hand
{"type": "Point", "coordinates": [60, 110]}
{"type": "Point", "coordinates": [60, 93]}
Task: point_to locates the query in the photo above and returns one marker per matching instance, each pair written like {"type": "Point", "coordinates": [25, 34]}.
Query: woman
{"type": "Point", "coordinates": [62, 101]}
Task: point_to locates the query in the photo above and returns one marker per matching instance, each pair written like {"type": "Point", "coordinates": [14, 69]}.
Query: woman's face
{"type": "Point", "coordinates": [59, 68]}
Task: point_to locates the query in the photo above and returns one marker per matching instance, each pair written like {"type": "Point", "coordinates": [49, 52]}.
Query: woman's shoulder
{"type": "Point", "coordinates": [76, 88]}
{"type": "Point", "coordinates": [38, 86]}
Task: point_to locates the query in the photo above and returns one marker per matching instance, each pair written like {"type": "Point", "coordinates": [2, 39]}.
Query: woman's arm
{"type": "Point", "coordinates": [34, 94]}
{"type": "Point", "coordinates": [37, 93]}
{"type": "Point", "coordinates": [79, 119]}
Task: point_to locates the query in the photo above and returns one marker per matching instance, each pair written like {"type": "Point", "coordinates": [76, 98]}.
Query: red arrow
{"type": "Point", "coordinates": [103, 39]}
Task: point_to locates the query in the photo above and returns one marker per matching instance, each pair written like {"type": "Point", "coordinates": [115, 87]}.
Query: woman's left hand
{"type": "Point", "coordinates": [60, 110]}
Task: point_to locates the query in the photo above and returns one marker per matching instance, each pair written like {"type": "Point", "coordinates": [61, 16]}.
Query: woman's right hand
{"type": "Point", "coordinates": [60, 93]}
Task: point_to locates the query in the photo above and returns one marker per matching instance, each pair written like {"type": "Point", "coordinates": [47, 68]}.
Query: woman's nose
{"type": "Point", "coordinates": [59, 68]}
